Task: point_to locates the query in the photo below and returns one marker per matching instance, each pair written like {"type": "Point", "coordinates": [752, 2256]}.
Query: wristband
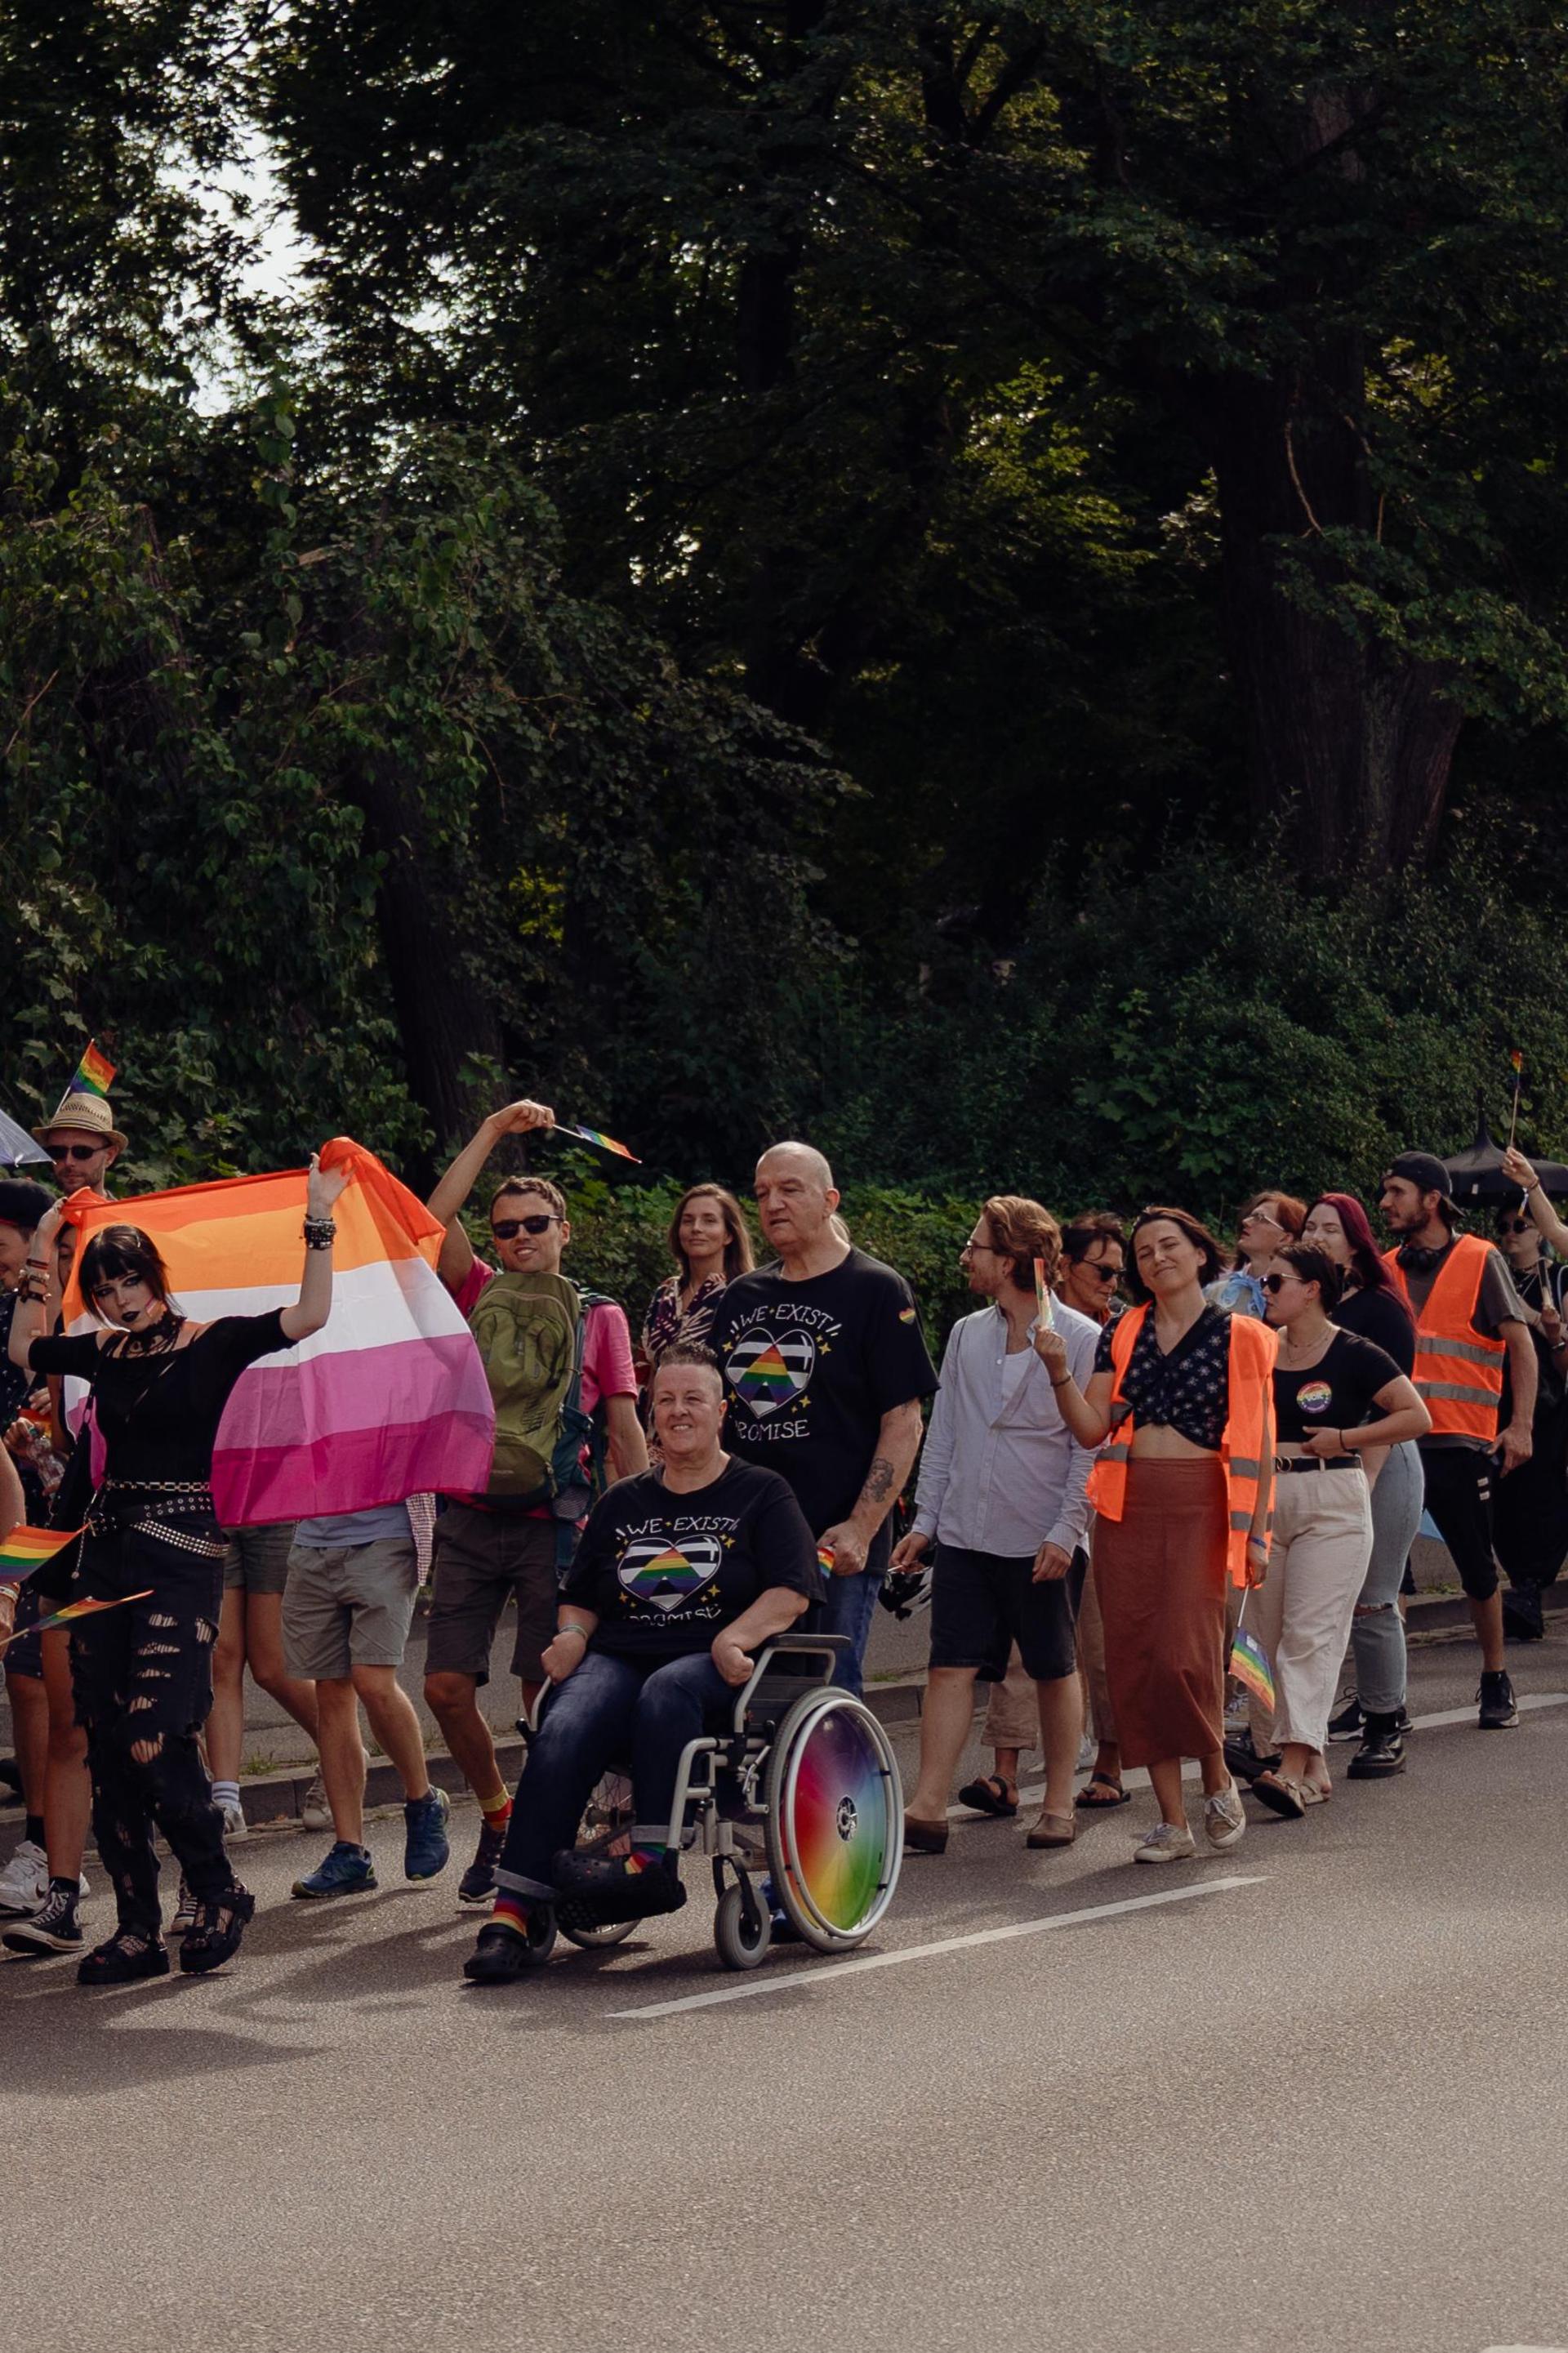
{"type": "Point", "coordinates": [571, 1629]}
{"type": "Point", "coordinates": [1063, 1382]}
{"type": "Point", "coordinates": [319, 1232]}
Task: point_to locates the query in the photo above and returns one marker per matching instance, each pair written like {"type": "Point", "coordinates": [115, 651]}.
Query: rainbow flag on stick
{"type": "Point", "coordinates": [94, 1073]}
{"type": "Point", "coordinates": [389, 1401]}
{"type": "Point", "coordinates": [75, 1609]}
{"type": "Point", "coordinates": [1249, 1665]}
{"type": "Point", "coordinates": [1044, 1314]}
{"type": "Point", "coordinates": [604, 1142]}
{"type": "Point", "coordinates": [26, 1549]}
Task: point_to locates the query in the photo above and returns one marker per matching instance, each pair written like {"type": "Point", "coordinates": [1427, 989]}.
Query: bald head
{"type": "Point", "coordinates": [795, 1201]}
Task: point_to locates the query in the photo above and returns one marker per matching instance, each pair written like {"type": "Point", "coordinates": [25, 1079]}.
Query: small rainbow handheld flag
{"type": "Point", "coordinates": [26, 1549]}
{"type": "Point", "coordinates": [89, 1609]}
{"type": "Point", "coordinates": [604, 1142]}
{"type": "Point", "coordinates": [1043, 1311]}
{"type": "Point", "coordinates": [1249, 1665]}
{"type": "Point", "coordinates": [94, 1073]}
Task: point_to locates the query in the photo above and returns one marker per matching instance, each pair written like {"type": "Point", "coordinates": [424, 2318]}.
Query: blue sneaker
{"type": "Point", "coordinates": [347, 1870]}
{"type": "Point", "coordinates": [425, 1848]}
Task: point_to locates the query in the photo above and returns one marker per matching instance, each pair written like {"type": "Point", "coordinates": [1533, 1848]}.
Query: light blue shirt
{"type": "Point", "coordinates": [387, 1520]}
{"type": "Point", "coordinates": [1001, 1471]}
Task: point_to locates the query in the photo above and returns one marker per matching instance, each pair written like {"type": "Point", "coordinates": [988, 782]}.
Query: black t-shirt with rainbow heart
{"type": "Point", "coordinates": [664, 1571]}
{"type": "Point", "coordinates": [1338, 1392]}
{"type": "Point", "coordinates": [811, 1368]}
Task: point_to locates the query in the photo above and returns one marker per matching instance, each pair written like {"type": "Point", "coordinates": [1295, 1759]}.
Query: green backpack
{"type": "Point", "coordinates": [530, 1330]}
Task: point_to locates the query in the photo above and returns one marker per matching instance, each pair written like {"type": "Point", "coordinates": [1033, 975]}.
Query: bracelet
{"type": "Point", "coordinates": [571, 1629]}
{"type": "Point", "coordinates": [1063, 1382]}
{"type": "Point", "coordinates": [320, 1233]}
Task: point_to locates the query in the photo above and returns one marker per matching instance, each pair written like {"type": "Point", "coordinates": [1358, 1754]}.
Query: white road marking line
{"type": "Point", "coordinates": [1138, 1778]}
{"type": "Point", "coordinates": [834, 1972]}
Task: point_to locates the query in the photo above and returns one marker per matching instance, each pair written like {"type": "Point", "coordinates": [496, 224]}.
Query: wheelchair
{"type": "Point", "coordinates": [801, 1782]}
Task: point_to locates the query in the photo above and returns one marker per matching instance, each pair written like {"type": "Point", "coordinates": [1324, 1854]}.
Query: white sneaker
{"type": "Point", "coordinates": [315, 1813]}
{"type": "Point", "coordinates": [24, 1881]}
{"type": "Point", "coordinates": [1166, 1843]}
{"type": "Point", "coordinates": [235, 1825]}
{"type": "Point", "coordinates": [1224, 1824]}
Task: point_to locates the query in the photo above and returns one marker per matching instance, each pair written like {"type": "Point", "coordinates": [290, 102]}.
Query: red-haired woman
{"type": "Point", "coordinates": [1182, 1493]}
{"type": "Point", "coordinates": [1372, 1307]}
{"type": "Point", "coordinates": [1268, 1220]}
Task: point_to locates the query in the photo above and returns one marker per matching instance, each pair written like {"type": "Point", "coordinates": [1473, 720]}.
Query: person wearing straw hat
{"type": "Point", "coordinates": [82, 1141]}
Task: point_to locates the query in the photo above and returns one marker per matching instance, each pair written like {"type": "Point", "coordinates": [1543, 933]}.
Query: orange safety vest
{"type": "Point", "coordinates": [1246, 1448]}
{"type": "Point", "coordinates": [1459, 1374]}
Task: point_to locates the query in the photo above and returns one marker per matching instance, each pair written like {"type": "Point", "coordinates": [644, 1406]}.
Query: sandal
{"type": "Point", "coordinates": [221, 1921]}
{"type": "Point", "coordinates": [1052, 1830]}
{"type": "Point", "coordinates": [1315, 1793]}
{"type": "Point", "coordinates": [989, 1796]}
{"type": "Point", "coordinates": [1280, 1795]}
{"type": "Point", "coordinates": [1090, 1804]}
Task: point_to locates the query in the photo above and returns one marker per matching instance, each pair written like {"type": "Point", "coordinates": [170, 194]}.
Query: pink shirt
{"type": "Point", "coordinates": [607, 1370]}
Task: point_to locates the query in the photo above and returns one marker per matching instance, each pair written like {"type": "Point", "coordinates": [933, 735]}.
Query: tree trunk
{"type": "Point", "coordinates": [1349, 745]}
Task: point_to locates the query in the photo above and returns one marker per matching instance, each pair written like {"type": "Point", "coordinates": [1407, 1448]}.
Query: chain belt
{"type": "Point", "coordinates": [150, 1507]}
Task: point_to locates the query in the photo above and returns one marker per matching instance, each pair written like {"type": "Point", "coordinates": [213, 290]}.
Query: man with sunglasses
{"type": "Point", "coordinates": [496, 1546]}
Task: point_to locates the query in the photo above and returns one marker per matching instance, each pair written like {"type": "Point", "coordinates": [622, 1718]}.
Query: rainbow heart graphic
{"type": "Point", "coordinates": [766, 1373]}
{"type": "Point", "coordinates": [668, 1576]}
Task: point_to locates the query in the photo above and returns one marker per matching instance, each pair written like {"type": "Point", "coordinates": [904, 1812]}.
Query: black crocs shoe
{"type": "Point", "coordinates": [501, 1956]}
{"type": "Point", "coordinates": [220, 1925]}
{"type": "Point", "coordinates": [614, 1893]}
{"type": "Point", "coordinates": [124, 1959]}
{"type": "Point", "coordinates": [1499, 1711]}
{"type": "Point", "coordinates": [1381, 1751]}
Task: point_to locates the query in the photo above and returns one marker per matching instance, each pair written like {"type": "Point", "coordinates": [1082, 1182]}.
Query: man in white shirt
{"type": "Point", "coordinates": [1002, 1495]}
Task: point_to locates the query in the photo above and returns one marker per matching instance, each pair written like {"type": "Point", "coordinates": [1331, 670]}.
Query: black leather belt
{"type": "Point", "coordinates": [1318, 1462]}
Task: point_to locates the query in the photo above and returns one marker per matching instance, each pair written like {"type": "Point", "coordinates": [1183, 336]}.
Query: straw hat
{"type": "Point", "coordinates": [89, 1114]}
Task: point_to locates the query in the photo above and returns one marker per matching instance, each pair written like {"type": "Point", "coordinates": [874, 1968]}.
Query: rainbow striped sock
{"type": "Point", "coordinates": [511, 1912]}
{"type": "Point", "coordinates": [646, 1858]}
{"type": "Point", "coordinates": [497, 1810]}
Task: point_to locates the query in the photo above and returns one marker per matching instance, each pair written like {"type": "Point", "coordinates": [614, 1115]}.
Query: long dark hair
{"type": "Point", "coordinates": [1366, 1261]}
{"type": "Point", "coordinates": [738, 1257]}
{"type": "Point", "coordinates": [121, 1254]}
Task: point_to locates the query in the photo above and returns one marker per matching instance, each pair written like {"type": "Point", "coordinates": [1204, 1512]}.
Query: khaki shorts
{"type": "Point", "coordinates": [348, 1606]}
{"type": "Point", "coordinates": [256, 1560]}
{"type": "Point", "coordinates": [483, 1559]}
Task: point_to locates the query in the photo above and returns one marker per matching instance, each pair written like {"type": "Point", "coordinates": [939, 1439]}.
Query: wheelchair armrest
{"type": "Point", "coordinates": [822, 1650]}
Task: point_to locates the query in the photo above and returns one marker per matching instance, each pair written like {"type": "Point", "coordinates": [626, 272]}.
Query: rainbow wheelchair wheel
{"type": "Point", "coordinates": [835, 1819]}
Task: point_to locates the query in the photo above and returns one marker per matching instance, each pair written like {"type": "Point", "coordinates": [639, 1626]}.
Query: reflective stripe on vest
{"type": "Point", "coordinates": [1246, 1446]}
{"type": "Point", "coordinates": [1446, 1342]}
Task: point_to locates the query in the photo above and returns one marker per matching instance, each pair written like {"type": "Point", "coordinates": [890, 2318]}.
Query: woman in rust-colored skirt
{"type": "Point", "coordinates": [1180, 1402]}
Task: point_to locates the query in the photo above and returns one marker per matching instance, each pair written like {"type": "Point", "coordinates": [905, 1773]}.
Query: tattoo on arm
{"type": "Point", "coordinates": [879, 1487]}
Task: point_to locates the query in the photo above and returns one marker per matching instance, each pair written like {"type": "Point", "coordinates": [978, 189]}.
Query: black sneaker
{"type": "Point", "coordinates": [221, 1922]}
{"type": "Point", "coordinates": [616, 1894]}
{"type": "Point", "coordinates": [54, 1929]}
{"type": "Point", "coordinates": [1381, 1751]}
{"type": "Point", "coordinates": [124, 1959]}
{"type": "Point", "coordinates": [1243, 1759]}
{"type": "Point", "coordinates": [1498, 1709]}
{"type": "Point", "coordinates": [1349, 1722]}
{"type": "Point", "coordinates": [477, 1884]}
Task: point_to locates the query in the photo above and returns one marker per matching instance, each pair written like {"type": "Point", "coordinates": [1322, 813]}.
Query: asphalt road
{"type": "Point", "coordinates": [1308, 2092]}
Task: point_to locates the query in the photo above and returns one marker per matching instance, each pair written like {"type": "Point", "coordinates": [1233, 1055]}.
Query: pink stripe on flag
{"type": "Point", "coordinates": [343, 1433]}
{"type": "Point", "coordinates": [258, 1484]}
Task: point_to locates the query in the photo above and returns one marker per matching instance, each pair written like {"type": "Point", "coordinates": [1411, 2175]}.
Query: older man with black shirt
{"type": "Point", "coordinates": [826, 1368]}
{"type": "Point", "coordinates": [1470, 1323]}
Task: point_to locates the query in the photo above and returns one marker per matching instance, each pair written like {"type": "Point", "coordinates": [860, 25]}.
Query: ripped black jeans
{"type": "Point", "coordinates": [143, 1679]}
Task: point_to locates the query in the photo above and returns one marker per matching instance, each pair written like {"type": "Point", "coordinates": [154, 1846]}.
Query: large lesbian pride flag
{"type": "Point", "coordinates": [388, 1400]}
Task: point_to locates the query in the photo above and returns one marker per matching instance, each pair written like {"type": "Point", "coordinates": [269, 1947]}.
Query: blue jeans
{"type": "Point", "coordinates": [1378, 1630]}
{"type": "Point", "coordinates": [610, 1710]}
{"type": "Point", "coordinates": [850, 1607]}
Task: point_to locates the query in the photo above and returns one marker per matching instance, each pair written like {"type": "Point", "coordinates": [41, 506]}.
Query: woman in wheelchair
{"type": "Point", "coordinates": [680, 1572]}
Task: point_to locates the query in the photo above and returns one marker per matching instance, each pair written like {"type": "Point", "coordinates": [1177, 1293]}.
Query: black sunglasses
{"type": "Point", "coordinates": [505, 1229]}
{"type": "Point", "coordinates": [73, 1151]}
{"type": "Point", "coordinates": [1514, 1225]}
{"type": "Point", "coordinates": [1101, 1273]}
{"type": "Point", "coordinates": [1275, 1283]}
